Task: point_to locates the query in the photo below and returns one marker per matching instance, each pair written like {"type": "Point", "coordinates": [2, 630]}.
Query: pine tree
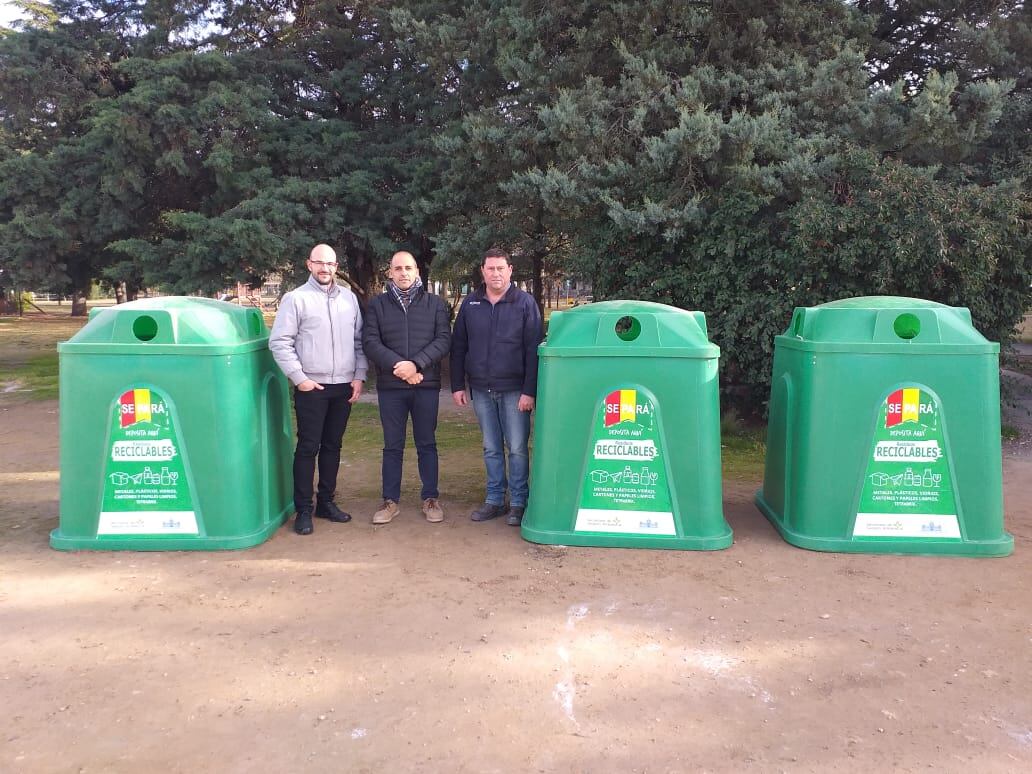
{"type": "Point", "coordinates": [737, 157]}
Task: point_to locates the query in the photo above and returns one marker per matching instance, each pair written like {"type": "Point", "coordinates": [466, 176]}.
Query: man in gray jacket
{"type": "Point", "coordinates": [316, 341]}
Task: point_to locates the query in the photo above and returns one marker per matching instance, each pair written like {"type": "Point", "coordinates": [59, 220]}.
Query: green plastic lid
{"type": "Point", "coordinates": [628, 329]}
{"type": "Point", "coordinates": [884, 324]}
{"type": "Point", "coordinates": [171, 325]}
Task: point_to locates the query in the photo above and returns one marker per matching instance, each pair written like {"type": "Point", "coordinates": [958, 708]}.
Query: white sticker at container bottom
{"type": "Point", "coordinates": [917, 525]}
{"type": "Point", "coordinates": [147, 523]}
{"type": "Point", "coordinates": [629, 522]}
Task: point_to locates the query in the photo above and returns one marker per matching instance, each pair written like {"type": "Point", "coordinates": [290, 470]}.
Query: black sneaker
{"type": "Point", "coordinates": [332, 512]}
{"type": "Point", "coordinates": [303, 523]}
{"type": "Point", "coordinates": [487, 511]}
{"type": "Point", "coordinates": [515, 516]}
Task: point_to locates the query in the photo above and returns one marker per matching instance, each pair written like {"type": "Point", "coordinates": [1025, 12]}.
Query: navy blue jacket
{"type": "Point", "coordinates": [494, 346]}
{"type": "Point", "coordinates": [419, 334]}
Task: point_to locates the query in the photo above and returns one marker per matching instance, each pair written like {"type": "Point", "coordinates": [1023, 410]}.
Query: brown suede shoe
{"type": "Point", "coordinates": [386, 513]}
{"type": "Point", "coordinates": [432, 510]}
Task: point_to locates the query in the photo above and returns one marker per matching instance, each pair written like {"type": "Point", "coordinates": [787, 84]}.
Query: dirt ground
{"type": "Point", "coordinates": [461, 648]}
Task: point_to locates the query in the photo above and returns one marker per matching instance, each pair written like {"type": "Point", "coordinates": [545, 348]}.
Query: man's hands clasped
{"type": "Point", "coordinates": [407, 371]}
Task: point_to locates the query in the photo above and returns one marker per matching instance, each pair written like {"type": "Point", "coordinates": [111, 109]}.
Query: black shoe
{"type": "Point", "coordinates": [487, 511]}
{"type": "Point", "coordinates": [332, 512]}
{"type": "Point", "coordinates": [515, 516]}
{"type": "Point", "coordinates": [303, 523]}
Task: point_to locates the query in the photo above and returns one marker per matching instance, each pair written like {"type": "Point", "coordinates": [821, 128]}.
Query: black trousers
{"type": "Point", "coordinates": [322, 417]}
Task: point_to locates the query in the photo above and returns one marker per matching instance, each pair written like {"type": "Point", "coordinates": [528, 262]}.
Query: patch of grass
{"type": "Point", "coordinates": [742, 456]}
{"type": "Point", "coordinates": [38, 376]}
{"type": "Point", "coordinates": [363, 427]}
{"type": "Point", "coordinates": [28, 353]}
{"type": "Point", "coordinates": [1010, 433]}
{"type": "Point", "coordinates": [742, 448]}
{"type": "Point", "coordinates": [21, 335]}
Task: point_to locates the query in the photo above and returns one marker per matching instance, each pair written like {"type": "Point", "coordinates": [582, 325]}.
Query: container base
{"type": "Point", "coordinates": [604, 540]}
{"type": "Point", "coordinates": [1002, 546]}
{"type": "Point", "coordinates": [166, 543]}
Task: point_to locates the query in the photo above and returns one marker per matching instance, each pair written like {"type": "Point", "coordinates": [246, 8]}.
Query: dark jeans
{"type": "Point", "coordinates": [322, 416]}
{"type": "Point", "coordinates": [395, 408]}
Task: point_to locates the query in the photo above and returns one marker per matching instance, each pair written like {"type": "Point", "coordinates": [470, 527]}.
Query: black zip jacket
{"type": "Point", "coordinates": [494, 346]}
{"type": "Point", "coordinates": [420, 334]}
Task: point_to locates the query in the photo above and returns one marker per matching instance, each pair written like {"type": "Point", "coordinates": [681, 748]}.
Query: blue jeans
{"type": "Point", "coordinates": [395, 408]}
{"type": "Point", "coordinates": [503, 425]}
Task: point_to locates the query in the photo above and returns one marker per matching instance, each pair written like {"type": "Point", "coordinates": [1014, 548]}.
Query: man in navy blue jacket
{"type": "Point", "coordinates": [406, 335]}
{"type": "Point", "coordinates": [494, 349]}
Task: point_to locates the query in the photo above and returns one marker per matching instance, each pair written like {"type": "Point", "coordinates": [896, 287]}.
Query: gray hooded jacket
{"type": "Point", "coordinates": [317, 335]}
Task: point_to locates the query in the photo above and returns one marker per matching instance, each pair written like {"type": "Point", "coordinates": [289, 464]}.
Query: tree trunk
{"type": "Point", "coordinates": [361, 265]}
{"type": "Point", "coordinates": [538, 258]}
{"type": "Point", "coordinates": [424, 257]}
{"type": "Point", "coordinates": [120, 293]}
{"type": "Point", "coordinates": [538, 250]}
{"type": "Point", "coordinates": [80, 292]}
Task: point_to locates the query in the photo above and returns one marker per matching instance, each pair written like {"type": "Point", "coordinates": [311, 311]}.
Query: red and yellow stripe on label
{"type": "Point", "coordinates": [135, 406]}
{"type": "Point", "coordinates": [903, 406]}
{"type": "Point", "coordinates": [620, 407]}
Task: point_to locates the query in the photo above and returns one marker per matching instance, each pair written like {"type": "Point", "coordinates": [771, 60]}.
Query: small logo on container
{"type": "Point", "coordinates": [135, 406]}
{"type": "Point", "coordinates": [907, 405]}
{"type": "Point", "coordinates": [621, 406]}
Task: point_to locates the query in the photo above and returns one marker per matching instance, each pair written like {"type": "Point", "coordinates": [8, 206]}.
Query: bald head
{"type": "Point", "coordinates": [403, 269]}
{"type": "Point", "coordinates": [323, 253]}
{"type": "Point", "coordinates": [322, 263]}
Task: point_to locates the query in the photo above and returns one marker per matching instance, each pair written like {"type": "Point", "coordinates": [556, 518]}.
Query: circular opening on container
{"type": "Point", "coordinates": [907, 326]}
{"type": "Point", "coordinates": [145, 327]}
{"type": "Point", "coordinates": [255, 324]}
{"type": "Point", "coordinates": [628, 328]}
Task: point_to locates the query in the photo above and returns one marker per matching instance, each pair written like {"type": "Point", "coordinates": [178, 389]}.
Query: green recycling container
{"type": "Point", "coordinates": [175, 429]}
{"type": "Point", "coordinates": [627, 434]}
{"type": "Point", "coordinates": [884, 431]}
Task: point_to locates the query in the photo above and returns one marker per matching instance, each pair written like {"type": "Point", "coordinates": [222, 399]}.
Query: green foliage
{"type": "Point", "coordinates": [180, 154]}
{"type": "Point", "coordinates": [742, 157]}
{"type": "Point", "coordinates": [740, 161]}
{"type": "Point", "coordinates": [901, 231]}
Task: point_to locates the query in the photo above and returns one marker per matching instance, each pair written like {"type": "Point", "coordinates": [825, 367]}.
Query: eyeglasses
{"type": "Point", "coordinates": [323, 264]}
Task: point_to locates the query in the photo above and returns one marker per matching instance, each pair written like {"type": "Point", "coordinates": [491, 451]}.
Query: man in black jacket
{"type": "Point", "coordinates": [407, 335]}
{"type": "Point", "coordinates": [494, 347]}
